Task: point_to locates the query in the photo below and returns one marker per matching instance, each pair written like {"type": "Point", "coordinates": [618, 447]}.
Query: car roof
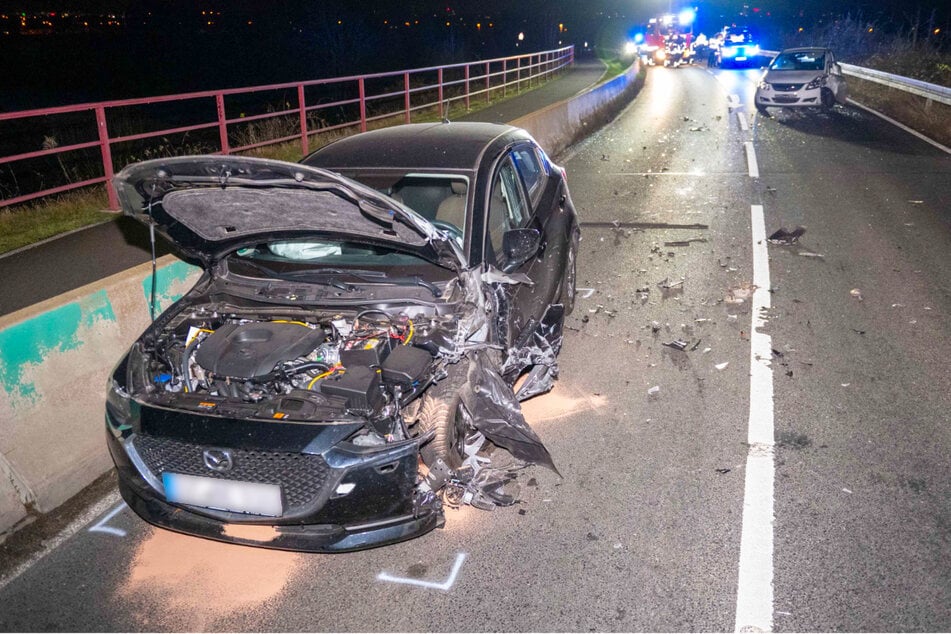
{"type": "Point", "coordinates": [804, 49]}
{"type": "Point", "coordinates": [419, 145]}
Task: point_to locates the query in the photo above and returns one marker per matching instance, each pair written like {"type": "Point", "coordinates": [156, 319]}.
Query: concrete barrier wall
{"type": "Point", "coordinates": [559, 125]}
{"type": "Point", "coordinates": [55, 356]}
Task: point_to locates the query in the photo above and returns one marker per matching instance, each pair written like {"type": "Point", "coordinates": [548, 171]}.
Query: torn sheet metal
{"type": "Point", "coordinates": [497, 414]}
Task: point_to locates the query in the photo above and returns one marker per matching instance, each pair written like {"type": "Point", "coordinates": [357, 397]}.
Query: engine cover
{"type": "Point", "coordinates": [248, 351]}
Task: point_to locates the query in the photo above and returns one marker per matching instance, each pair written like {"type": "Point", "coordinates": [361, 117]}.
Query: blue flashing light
{"type": "Point", "coordinates": [638, 38]}
{"type": "Point", "coordinates": [687, 16]}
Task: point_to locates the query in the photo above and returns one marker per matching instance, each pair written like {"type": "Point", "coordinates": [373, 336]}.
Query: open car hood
{"type": "Point", "coordinates": [209, 206]}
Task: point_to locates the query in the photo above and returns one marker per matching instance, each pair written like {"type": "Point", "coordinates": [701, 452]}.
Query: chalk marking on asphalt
{"type": "Point", "coordinates": [74, 527]}
{"type": "Point", "coordinates": [584, 293]}
{"type": "Point", "coordinates": [444, 586]}
{"type": "Point", "coordinates": [924, 138]}
{"type": "Point", "coordinates": [754, 596]}
{"type": "Point", "coordinates": [744, 124]}
{"type": "Point", "coordinates": [101, 527]}
{"type": "Point", "coordinates": [751, 160]}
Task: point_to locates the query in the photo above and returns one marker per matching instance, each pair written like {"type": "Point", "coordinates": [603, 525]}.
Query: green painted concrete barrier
{"type": "Point", "coordinates": [55, 358]}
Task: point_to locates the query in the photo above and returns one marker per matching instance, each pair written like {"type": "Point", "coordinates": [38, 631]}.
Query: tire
{"type": "Point", "coordinates": [828, 99]}
{"type": "Point", "coordinates": [441, 411]}
{"type": "Point", "coordinates": [569, 282]}
{"type": "Point", "coordinates": [762, 110]}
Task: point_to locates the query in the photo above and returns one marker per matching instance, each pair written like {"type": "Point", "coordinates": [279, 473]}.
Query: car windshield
{"type": "Point", "coordinates": [278, 258]}
{"type": "Point", "coordinates": [799, 61]}
{"type": "Point", "coordinates": [439, 198]}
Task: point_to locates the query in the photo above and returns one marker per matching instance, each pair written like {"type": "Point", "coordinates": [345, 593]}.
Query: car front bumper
{"type": "Point", "coordinates": [383, 508]}
{"type": "Point", "coordinates": [803, 98]}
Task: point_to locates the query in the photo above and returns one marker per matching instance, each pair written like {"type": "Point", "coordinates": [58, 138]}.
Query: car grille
{"type": "Point", "coordinates": [787, 87]}
{"type": "Point", "coordinates": [301, 476]}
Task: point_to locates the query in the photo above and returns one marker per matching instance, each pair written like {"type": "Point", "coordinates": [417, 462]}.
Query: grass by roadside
{"type": "Point", "coordinates": [30, 223]}
{"type": "Point", "coordinates": [614, 66]}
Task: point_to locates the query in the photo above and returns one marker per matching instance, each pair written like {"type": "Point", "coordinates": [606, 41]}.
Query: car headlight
{"type": "Point", "coordinates": [764, 86]}
{"type": "Point", "coordinates": [121, 409]}
{"type": "Point", "coordinates": [818, 82]}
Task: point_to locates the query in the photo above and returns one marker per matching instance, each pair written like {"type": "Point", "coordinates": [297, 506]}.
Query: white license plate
{"type": "Point", "coordinates": [225, 495]}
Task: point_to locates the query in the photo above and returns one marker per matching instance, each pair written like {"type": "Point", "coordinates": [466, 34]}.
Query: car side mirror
{"type": "Point", "coordinates": [836, 69]}
{"type": "Point", "coordinates": [520, 245]}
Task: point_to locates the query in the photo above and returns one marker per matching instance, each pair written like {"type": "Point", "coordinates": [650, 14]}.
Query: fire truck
{"type": "Point", "coordinates": [666, 36]}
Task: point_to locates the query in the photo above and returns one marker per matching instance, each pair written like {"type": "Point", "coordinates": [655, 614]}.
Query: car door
{"type": "Point", "coordinates": [508, 208]}
{"type": "Point", "coordinates": [836, 79]}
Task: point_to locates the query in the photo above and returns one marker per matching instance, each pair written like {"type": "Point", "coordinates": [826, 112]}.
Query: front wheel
{"type": "Point", "coordinates": [442, 410]}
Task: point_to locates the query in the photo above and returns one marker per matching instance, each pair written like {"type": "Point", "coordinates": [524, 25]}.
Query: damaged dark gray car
{"type": "Point", "coordinates": [346, 364]}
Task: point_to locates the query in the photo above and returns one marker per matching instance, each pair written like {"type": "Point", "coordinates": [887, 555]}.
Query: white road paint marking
{"type": "Point", "coordinates": [751, 160]}
{"type": "Point", "coordinates": [101, 527]}
{"type": "Point", "coordinates": [754, 596]}
{"type": "Point", "coordinates": [924, 138]}
{"type": "Point", "coordinates": [444, 586]}
{"type": "Point", "coordinates": [744, 124]}
{"type": "Point", "coordinates": [584, 293]}
{"type": "Point", "coordinates": [74, 527]}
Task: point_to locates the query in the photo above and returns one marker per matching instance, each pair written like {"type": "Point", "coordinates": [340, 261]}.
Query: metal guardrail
{"type": "Point", "coordinates": [924, 89]}
{"type": "Point", "coordinates": [392, 94]}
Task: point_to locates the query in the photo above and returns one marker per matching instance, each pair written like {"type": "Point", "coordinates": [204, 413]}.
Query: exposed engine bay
{"type": "Point", "coordinates": [371, 366]}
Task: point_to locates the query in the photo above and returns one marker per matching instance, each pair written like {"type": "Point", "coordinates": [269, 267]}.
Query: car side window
{"type": "Point", "coordinates": [527, 163]}
{"type": "Point", "coordinates": [507, 208]}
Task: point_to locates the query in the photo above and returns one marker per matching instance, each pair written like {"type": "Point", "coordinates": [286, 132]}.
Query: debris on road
{"type": "Point", "coordinates": [655, 327]}
{"type": "Point", "coordinates": [676, 344]}
{"type": "Point", "coordinates": [784, 237]}
{"type": "Point", "coordinates": [810, 254]}
{"type": "Point", "coordinates": [654, 391]}
{"type": "Point", "coordinates": [684, 243]}
{"type": "Point", "coordinates": [667, 285]}
{"type": "Point", "coordinates": [722, 366]}
{"type": "Point", "coordinates": [740, 294]}
{"type": "Point", "coordinates": [856, 293]}
{"type": "Point", "coordinates": [723, 470]}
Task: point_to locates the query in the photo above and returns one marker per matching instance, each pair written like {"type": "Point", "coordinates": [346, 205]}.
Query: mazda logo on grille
{"type": "Point", "coordinates": [218, 459]}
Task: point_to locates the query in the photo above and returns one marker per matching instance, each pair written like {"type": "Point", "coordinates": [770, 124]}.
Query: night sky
{"type": "Point", "coordinates": [167, 46]}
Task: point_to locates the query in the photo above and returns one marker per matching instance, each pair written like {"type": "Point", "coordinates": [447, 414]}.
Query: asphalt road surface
{"type": "Point", "coordinates": [690, 500]}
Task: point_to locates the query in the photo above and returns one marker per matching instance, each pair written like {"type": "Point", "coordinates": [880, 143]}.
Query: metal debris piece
{"type": "Point", "coordinates": [677, 344]}
{"type": "Point", "coordinates": [696, 345]}
{"type": "Point", "coordinates": [723, 471]}
{"type": "Point", "coordinates": [782, 236]}
{"type": "Point", "coordinates": [666, 284]}
{"type": "Point", "coordinates": [856, 293]}
{"type": "Point", "coordinates": [684, 243]}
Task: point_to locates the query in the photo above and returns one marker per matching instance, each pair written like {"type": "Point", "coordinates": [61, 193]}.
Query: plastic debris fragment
{"type": "Point", "coordinates": [676, 344]}
{"type": "Point", "coordinates": [654, 391]}
{"type": "Point", "coordinates": [722, 366]}
{"type": "Point", "coordinates": [783, 236]}
{"type": "Point", "coordinates": [856, 293]}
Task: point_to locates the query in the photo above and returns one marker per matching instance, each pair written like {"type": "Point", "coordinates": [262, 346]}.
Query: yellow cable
{"type": "Point", "coordinates": [411, 332]}
{"type": "Point", "coordinates": [288, 321]}
{"type": "Point", "coordinates": [323, 375]}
